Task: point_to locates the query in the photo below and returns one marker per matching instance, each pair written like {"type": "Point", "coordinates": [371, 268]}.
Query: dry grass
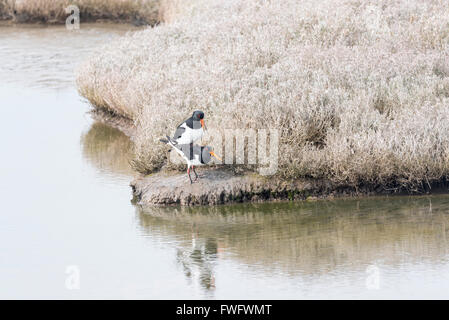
{"type": "Point", "coordinates": [173, 10]}
{"type": "Point", "coordinates": [358, 89]}
{"type": "Point", "coordinates": [53, 11]}
{"type": "Point", "coordinates": [5, 9]}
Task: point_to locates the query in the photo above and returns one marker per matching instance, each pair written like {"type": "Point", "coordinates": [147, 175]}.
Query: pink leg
{"type": "Point", "coordinates": [188, 173]}
{"type": "Point", "coordinates": [196, 174]}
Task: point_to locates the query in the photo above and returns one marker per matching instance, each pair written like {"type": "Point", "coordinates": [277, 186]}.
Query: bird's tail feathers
{"type": "Point", "coordinates": [173, 142]}
{"type": "Point", "coordinates": [170, 142]}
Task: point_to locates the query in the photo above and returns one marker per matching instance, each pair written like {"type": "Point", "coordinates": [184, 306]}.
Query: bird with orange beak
{"type": "Point", "coordinates": [190, 130]}
{"type": "Point", "coordinates": [193, 154]}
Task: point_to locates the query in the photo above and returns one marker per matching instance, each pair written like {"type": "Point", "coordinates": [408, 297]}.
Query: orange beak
{"type": "Point", "coordinates": [202, 124]}
{"type": "Point", "coordinates": [214, 155]}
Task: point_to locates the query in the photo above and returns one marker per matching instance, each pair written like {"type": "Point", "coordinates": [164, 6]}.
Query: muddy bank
{"type": "Point", "coordinates": [219, 186]}
{"type": "Point", "coordinates": [222, 186]}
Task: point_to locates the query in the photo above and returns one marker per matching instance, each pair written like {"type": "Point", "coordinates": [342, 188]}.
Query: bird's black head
{"type": "Point", "coordinates": [198, 120]}
{"type": "Point", "coordinates": [198, 115]}
{"type": "Point", "coordinates": [207, 154]}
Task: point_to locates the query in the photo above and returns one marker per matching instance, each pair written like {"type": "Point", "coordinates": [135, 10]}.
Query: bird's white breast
{"type": "Point", "coordinates": [195, 161]}
{"type": "Point", "coordinates": [190, 135]}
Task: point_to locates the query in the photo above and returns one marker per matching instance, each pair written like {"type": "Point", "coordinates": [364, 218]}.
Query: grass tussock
{"type": "Point", "coordinates": [359, 90]}
{"type": "Point", "coordinates": [53, 11]}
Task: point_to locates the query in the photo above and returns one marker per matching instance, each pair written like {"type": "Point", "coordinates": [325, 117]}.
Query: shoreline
{"type": "Point", "coordinates": [31, 23]}
{"type": "Point", "coordinates": [119, 122]}
{"type": "Point", "coordinates": [54, 13]}
{"type": "Point", "coordinates": [220, 185]}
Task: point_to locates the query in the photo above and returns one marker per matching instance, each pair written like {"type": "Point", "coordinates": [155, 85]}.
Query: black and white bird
{"type": "Point", "coordinates": [190, 130]}
{"type": "Point", "coordinates": [193, 154]}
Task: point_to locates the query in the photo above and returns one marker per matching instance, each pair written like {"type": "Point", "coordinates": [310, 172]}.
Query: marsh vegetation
{"type": "Point", "coordinates": [54, 11]}
{"type": "Point", "coordinates": [358, 89]}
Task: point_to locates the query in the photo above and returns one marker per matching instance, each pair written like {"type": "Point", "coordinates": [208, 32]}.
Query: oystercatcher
{"type": "Point", "coordinates": [190, 130]}
{"type": "Point", "coordinates": [194, 155]}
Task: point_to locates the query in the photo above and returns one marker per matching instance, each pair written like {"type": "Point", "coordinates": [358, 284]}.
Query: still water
{"type": "Point", "coordinates": [68, 228]}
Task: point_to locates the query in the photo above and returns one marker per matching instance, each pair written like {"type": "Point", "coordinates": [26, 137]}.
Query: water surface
{"type": "Point", "coordinates": [66, 202]}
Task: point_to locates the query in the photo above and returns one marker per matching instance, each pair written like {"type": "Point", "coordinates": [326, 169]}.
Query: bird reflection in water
{"type": "Point", "coordinates": [198, 261]}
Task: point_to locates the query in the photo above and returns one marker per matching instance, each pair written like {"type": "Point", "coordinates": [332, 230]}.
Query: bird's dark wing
{"type": "Point", "coordinates": [186, 149]}
{"type": "Point", "coordinates": [178, 133]}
